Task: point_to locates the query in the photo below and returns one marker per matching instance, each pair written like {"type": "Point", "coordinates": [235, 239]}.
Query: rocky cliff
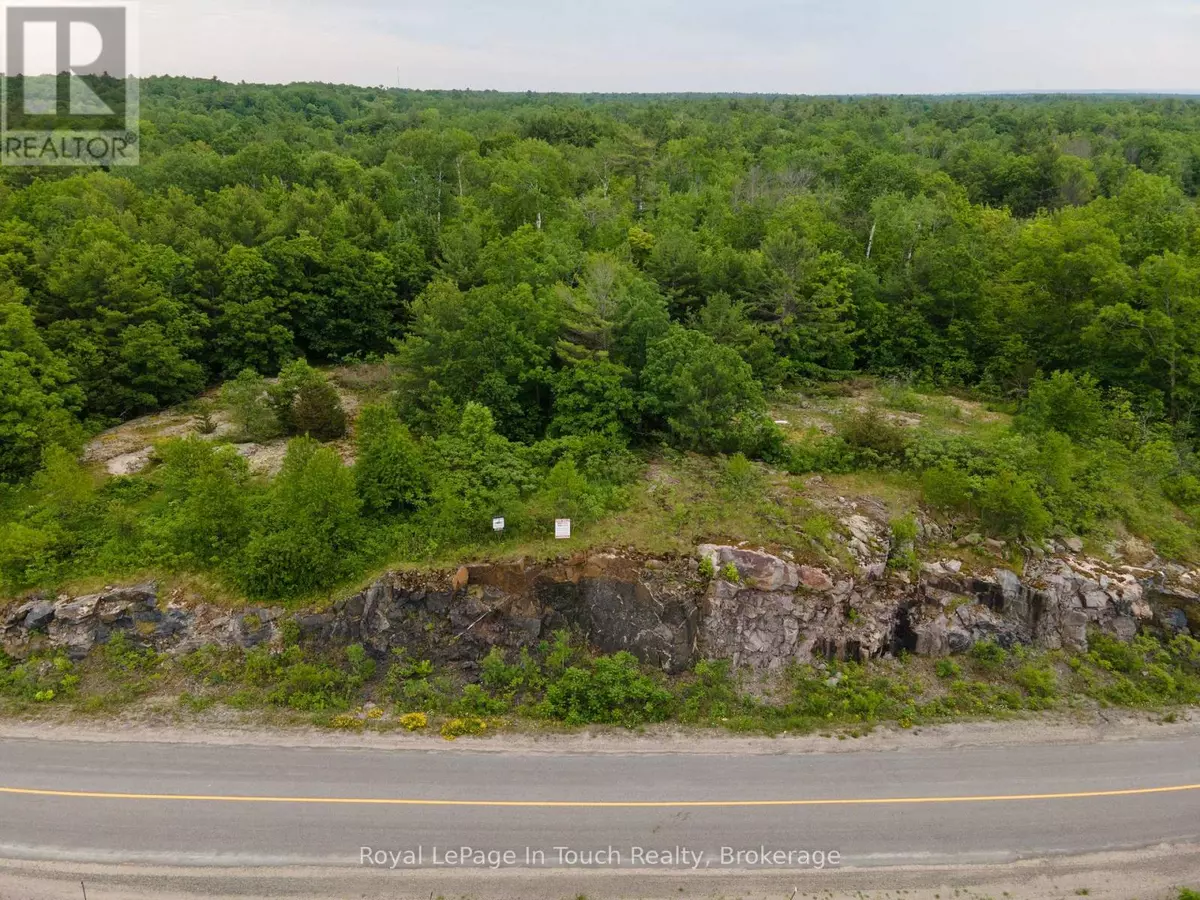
{"type": "Point", "coordinates": [760, 610]}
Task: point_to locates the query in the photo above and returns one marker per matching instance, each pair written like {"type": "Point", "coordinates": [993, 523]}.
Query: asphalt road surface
{"type": "Point", "coordinates": [199, 805]}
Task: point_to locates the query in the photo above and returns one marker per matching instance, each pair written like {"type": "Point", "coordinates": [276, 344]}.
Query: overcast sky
{"type": "Point", "coordinates": [785, 46]}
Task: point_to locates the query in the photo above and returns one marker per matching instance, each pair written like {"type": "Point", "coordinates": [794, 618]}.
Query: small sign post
{"type": "Point", "coordinates": [562, 529]}
{"type": "Point", "coordinates": [498, 524]}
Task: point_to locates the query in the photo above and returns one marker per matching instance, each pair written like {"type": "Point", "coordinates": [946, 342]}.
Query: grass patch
{"type": "Point", "coordinates": [560, 683]}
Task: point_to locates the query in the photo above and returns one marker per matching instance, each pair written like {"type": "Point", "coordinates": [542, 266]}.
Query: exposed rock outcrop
{"type": "Point", "coordinates": [774, 612]}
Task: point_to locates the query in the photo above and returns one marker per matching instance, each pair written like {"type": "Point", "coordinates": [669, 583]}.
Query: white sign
{"type": "Point", "coordinates": [562, 529]}
{"type": "Point", "coordinates": [498, 523]}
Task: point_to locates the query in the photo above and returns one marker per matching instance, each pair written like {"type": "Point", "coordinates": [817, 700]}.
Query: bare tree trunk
{"type": "Point", "coordinates": [871, 239]}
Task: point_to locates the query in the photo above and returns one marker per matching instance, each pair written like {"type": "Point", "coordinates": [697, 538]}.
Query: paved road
{"type": "Point", "coordinates": [314, 815]}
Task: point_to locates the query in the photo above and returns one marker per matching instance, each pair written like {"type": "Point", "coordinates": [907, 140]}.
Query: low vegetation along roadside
{"type": "Point", "coordinates": [560, 684]}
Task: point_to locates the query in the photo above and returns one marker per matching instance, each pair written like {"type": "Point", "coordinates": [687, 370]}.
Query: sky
{"type": "Point", "coordinates": [753, 46]}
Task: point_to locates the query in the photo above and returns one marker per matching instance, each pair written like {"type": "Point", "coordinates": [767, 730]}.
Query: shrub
{"type": "Point", "coordinates": [903, 544]}
{"type": "Point", "coordinates": [1039, 682]}
{"type": "Point", "coordinates": [706, 569]}
{"type": "Point", "coordinates": [612, 690]}
{"type": "Point", "coordinates": [712, 695]}
{"type": "Point", "coordinates": [456, 728]}
{"type": "Point", "coordinates": [1065, 402]}
{"type": "Point", "coordinates": [311, 527]}
{"type": "Point", "coordinates": [499, 676]}
{"type": "Point", "coordinates": [593, 397]}
{"type": "Point", "coordinates": [317, 411]}
{"type": "Point", "coordinates": [947, 668]}
{"type": "Point", "coordinates": [731, 574]}
{"type": "Point", "coordinates": [566, 494]}
{"type": "Point", "coordinates": [1009, 506]}
{"type": "Point", "coordinates": [414, 721]}
{"type": "Point", "coordinates": [869, 431]}
{"type": "Point", "coordinates": [738, 476]}
{"type": "Point", "coordinates": [474, 700]}
{"type": "Point", "coordinates": [250, 408]}
{"type": "Point", "coordinates": [989, 654]}
{"type": "Point", "coordinates": [389, 471]}
{"type": "Point", "coordinates": [948, 488]}
{"type": "Point", "coordinates": [705, 394]}
{"type": "Point", "coordinates": [362, 667]}
{"type": "Point", "coordinates": [311, 687]}
{"type": "Point", "coordinates": [305, 403]}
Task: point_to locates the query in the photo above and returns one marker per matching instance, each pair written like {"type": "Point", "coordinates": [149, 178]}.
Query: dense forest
{"type": "Point", "coordinates": [559, 285]}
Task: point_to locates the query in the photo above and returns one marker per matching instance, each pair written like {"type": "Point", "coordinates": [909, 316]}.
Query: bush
{"type": "Point", "coordinates": [1039, 682]}
{"type": "Point", "coordinates": [871, 434]}
{"type": "Point", "coordinates": [739, 478]}
{"type": "Point", "coordinates": [457, 728]}
{"type": "Point", "coordinates": [949, 489]}
{"type": "Point", "coordinates": [989, 654]}
{"type": "Point", "coordinates": [389, 471]}
{"type": "Point", "coordinates": [712, 695]}
{"type": "Point", "coordinates": [705, 395]}
{"type": "Point", "coordinates": [310, 530]}
{"type": "Point", "coordinates": [250, 409]}
{"type": "Point", "coordinates": [474, 700]}
{"type": "Point", "coordinates": [414, 721]}
{"type": "Point", "coordinates": [1065, 402]}
{"type": "Point", "coordinates": [612, 691]}
{"type": "Point", "coordinates": [311, 687]}
{"type": "Point", "coordinates": [947, 668]}
{"type": "Point", "coordinates": [305, 403]}
{"type": "Point", "coordinates": [1009, 506]}
{"type": "Point", "coordinates": [40, 676]}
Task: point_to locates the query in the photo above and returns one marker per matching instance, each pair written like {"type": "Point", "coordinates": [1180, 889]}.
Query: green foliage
{"type": "Point", "coordinates": [308, 529]}
{"type": "Point", "coordinates": [1066, 403]}
{"type": "Point", "coordinates": [593, 397]}
{"type": "Point", "coordinates": [39, 398]}
{"type": "Point", "coordinates": [207, 489]}
{"type": "Point", "coordinates": [41, 678]}
{"type": "Point", "coordinates": [705, 395]}
{"type": "Point", "coordinates": [989, 654]}
{"type": "Point", "coordinates": [1010, 506]}
{"type": "Point", "coordinates": [389, 470]}
{"type": "Point", "coordinates": [873, 437]}
{"type": "Point", "coordinates": [250, 408]}
{"type": "Point", "coordinates": [903, 545]}
{"type": "Point", "coordinates": [306, 404]}
{"type": "Point", "coordinates": [947, 668]}
{"type": "Point", "coordinates": [476, 474]}
{"type": "Point", "coordinates": [611, 690]}
{"type": "Point", "coordinates": [596, 275]}
{"type": "Point", "coordinates": [948, 488]}
{"type": "Point", "coordinates": [489, 345]}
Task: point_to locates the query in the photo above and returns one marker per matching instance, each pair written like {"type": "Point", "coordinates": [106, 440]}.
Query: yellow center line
{"type": "Point", "coordinates": [593, 804]}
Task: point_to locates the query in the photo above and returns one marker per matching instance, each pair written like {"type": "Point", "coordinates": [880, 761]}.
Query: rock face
{"type": "Point", "coordinates": [617, 604]}
{"type": "Point", "coordinates": [776, 612]}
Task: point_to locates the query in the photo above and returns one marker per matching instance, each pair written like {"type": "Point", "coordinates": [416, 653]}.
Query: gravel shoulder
{"type": "Point", "coordinates": [1155, 874]}
{"type": "Point", "coordinates": [1046, 729]}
